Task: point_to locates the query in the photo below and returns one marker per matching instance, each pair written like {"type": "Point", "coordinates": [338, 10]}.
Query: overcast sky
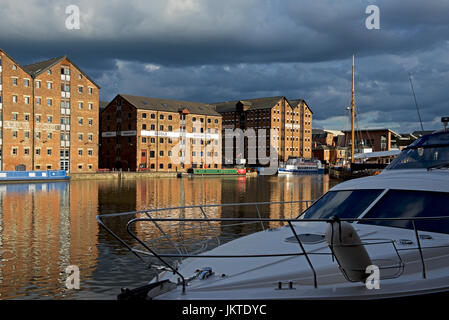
{"type": "Point", "coordinates": [216, 50]}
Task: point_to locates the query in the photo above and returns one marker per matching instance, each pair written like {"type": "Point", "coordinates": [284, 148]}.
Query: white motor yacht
{"type": "Point", "coordinates": [375, 237]}
{"type": "Point", "coordinates": [301, 166]}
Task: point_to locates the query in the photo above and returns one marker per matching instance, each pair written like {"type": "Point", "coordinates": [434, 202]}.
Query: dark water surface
{"type": "Point", "coordinates": [44, 227]}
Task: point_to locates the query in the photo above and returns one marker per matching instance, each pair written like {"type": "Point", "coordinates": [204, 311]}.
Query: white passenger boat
{"type": "Point", "coordinates": [299, 166]}
{"type": "Point", "coordinates": [381, 236]}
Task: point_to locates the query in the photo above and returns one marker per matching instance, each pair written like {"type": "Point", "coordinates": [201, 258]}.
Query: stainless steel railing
{"type": "Point", "coordinates": [302, 252]}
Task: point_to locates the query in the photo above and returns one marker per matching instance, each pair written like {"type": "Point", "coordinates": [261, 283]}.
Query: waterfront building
{"type": "Point", "coordinates": [321, 152]}
{"type": "Point", "coordinates": [373, 140]}
{"type": "Point", "coordinates": [291, 120]}
{"type": "Point", "coordinates": [328, 137]}
{"type": "Point", "coordinates": [334, 155]}
{"type": "Point", "coordinates": [143, 133]}
{"type": "Point", "coordinates": [48, 116]}
{"type": "Point", "coordinates": [328, 146]}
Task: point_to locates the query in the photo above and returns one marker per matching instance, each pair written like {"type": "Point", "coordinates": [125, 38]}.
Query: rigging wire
{"type": "Point", "coordinates": [416, 102]}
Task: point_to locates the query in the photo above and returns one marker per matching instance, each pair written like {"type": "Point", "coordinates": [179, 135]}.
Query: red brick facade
{"type": "Point", "coordinates": [142, 137]}
{"type": "Point", "coordinates": [375, 139]}
{"type": "Point", "coordinates": [47, 121]}
{"type": "Point", "coordinates": [291, 120]}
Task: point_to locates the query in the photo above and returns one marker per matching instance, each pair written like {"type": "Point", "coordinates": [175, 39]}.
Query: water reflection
{"type": "Point", "coordinates": [44, 227]}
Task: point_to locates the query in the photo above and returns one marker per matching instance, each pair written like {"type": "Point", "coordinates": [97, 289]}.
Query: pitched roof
{"type": "Point", "coordinates": [161, 104]}
{"type": "Point", "coordinates": [37, 68]}
{"type": "Point", "coordinates": [257, 103]}
{"type": "Point", "coordinates": [254, 104]}
{"type": "Point", "coordinates": [295, 102]}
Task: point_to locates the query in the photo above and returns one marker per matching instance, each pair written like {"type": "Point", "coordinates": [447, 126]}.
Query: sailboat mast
{"type": "Point", "coordinates": [352, 113]}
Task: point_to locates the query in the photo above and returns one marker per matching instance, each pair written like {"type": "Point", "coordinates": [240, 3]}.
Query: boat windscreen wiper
{"type": "Point", "coordinates": [439, 166]}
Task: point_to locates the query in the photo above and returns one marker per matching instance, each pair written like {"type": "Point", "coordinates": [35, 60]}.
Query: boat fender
{"type": "Point", "coordinates": [348, 249]}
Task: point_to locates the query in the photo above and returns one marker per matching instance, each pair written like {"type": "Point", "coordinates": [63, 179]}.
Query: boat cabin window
{"type": "Point", "coordinates": [405, 204]}
{"type": "Point", "coordinates": [420, 157]}
{"type": "Point", "coordinates": [427, 151]}
{"type": "Point", "coordinates": [344, 204]}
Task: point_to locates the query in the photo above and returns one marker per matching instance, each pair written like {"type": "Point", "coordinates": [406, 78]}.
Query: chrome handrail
{"type": "Point", "coordinates": [205, 219]}
{"type": "Point", "coordinates": [261, 220]}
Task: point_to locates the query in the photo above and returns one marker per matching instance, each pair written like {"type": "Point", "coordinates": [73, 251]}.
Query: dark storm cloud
{"type": "Point", "coordinates": [222, 50]}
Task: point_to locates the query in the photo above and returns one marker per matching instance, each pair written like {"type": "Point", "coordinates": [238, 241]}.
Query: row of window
{"type": "Point", "coordinates": [26, 151]}
{"type": "Point", "coordinates": [90, 136]}
{"type": "Point", "coordinates": [64, 137]}
{"type": "Point", "coordinates": [90, 121]}
{"type": "Point", "coordinates": [170, 117]}
{"type": "Point", "coordinates": [64, 87]}
{"type": "Point", "coordinates": [169, 154]}
{"type": "Point", "coordinates": [170, 166]}
{"type": "Point", "coordinates": [27, 134]}
{"type": "Point", "coordinates": [292, 149]}
{"type": "Point", "coordinates": [170, 128]}
{"type": "Point", "coordinates": [288, 113]}
{"type": "Point", "coordinates": [169, 140]}
{"type": "Point", "coordinates": [63, 165]}
{"type": "Point", "coordinates": [161, 117]}
{"type": "Point", "coordinates": [27, 99]}
{"type": "Point", "coordinates": [15, 117]}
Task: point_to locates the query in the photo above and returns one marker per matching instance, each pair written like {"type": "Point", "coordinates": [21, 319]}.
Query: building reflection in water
{"type": "Point", "coordinates": [44, 227]}
{"type": "Point", "coordinates": [162, 193]}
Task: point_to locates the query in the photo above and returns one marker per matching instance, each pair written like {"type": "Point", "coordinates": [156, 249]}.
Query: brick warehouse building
{"type": "Point", "coordinates": [373, 140]}
{"type": "Point", "coordinates": [142, 133]}
{"type": "Point", "coordinates": [49, 116]}
{"type": "Point", "coordinates": [291, 118]}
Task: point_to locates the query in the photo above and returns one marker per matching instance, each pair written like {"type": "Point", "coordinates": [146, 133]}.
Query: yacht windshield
{"type": "Point", "coordinates": [344, 204]}
{"type": "Point", "coordinates": [405, 204]}
{"type": "Point", "coordinates": [428, 151]}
